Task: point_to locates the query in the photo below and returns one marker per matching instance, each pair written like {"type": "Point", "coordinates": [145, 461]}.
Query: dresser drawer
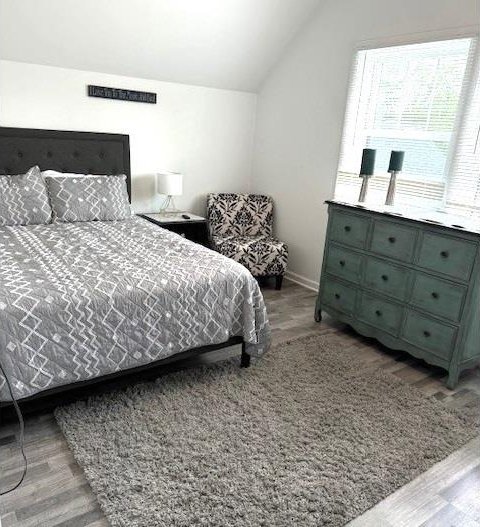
{"type": "Point", "coordinates": [339, 296]}
{"type": "Point", "coordinates": [429, 334]}
{"type": "Point", "coordinates": [396, 241]}
{"type": "Point", "coordinates": [380, 313]}
{"type": "Point", "coordinates": [438, 296]}
{"type": "Point", "coordinates": [386, 278]}
{"type": "Point", "coordinates": [343, 263]}
{"type": "Point", "coordinates": [452, 257]}
{"type": "Point", "coordinates": [349, 229]}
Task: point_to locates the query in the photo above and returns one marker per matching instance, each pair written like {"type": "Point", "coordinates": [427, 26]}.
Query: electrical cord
{"type": "Point", "coordinates": [21, 436]}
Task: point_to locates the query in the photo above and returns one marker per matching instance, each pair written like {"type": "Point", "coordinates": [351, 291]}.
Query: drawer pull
{"type": "Point", "coordinates": [392, 239]}
{"type": "Point", "coordinates": [337, 296]}
{"type": "Point", "coordinates": [342, 263]}
{"type": "Point", "coordinates": [426, 333]}
{"type": "Point", "coordinates": [347, 228]}
{"type": "Point", "coordinates": [384, 277]}
{"type": "Point", "coordinates": [444, 254]}
{"type": "Point", "coordinates": [378, 313]}
{"type": "Point", "coordinates": [435, 295]}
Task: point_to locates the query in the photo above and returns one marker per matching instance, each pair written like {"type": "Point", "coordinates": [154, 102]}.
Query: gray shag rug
{"type": "Point", "coordinates": [306, 436]}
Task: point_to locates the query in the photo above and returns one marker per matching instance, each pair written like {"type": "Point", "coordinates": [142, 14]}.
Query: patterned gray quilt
{"type": "Point", "coordinates": [80, 300]}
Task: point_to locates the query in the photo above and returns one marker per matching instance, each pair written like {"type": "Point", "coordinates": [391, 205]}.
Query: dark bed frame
{"type": "Point", "coordinates": [85, 153]}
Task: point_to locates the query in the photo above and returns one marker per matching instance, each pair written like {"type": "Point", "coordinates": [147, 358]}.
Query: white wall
{"type": "Point", "coordinates": [205, 133]}
{"type": "Point", "coordinates": [301, 106]}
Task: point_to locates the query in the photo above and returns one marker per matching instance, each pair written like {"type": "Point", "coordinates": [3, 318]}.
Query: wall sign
{"type": "Point", "coordinates": [122, 95]}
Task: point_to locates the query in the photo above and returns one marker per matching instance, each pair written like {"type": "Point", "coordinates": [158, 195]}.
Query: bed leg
{"type": "Point", "coordinates": [245, 358]}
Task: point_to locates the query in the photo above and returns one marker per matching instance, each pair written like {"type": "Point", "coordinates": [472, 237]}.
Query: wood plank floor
{"type": "Point", "coordinates": [55, 491]}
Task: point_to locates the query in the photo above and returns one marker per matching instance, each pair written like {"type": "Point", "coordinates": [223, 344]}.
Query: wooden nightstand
{"type": "Point", "coordinates": [194, 229]}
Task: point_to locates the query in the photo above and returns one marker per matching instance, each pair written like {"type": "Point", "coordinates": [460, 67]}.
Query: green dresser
{"type": "Point", "coordinates": [412, 284]}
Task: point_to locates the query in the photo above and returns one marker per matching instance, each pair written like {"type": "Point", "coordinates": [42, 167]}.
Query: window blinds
{"type": "Point", "coordinates": [409, 98]}
{"type": "Point", "coordinates": [463, 189]}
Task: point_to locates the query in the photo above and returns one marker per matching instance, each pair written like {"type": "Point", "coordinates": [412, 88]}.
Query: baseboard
{"type": "Point", "coordinates": [299, 279]}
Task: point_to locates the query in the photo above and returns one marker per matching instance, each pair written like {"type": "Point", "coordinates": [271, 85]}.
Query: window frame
{"type": "Point", "coordinates": [472, 73]}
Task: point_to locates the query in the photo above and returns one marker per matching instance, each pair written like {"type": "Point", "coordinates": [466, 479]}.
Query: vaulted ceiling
{"type": "Point", "coordinates": [228, 44]}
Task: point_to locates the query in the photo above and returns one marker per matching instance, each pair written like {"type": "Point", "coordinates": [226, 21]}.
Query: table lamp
{"type": "Point", "coordinates": [366, 171]}
{"type": "Point", "coordinates": [169, 184]}
{"type": "Point", "coordinates": [395, 167]}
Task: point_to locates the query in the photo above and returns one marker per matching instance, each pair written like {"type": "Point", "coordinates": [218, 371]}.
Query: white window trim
{"type": "Point", "coordinates": [467, 93]}
{"type": "Point", "coordinates": [424, 37]}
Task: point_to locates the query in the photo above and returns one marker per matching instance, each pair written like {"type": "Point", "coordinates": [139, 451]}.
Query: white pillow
{"type": "Point", "coordinates": [55, 173]}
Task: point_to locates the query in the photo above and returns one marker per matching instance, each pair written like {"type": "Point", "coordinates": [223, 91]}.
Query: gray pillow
{"type": "Point", "coordinates": [24, 199]}
{"type": "Point", "coordinates": [94, 198]}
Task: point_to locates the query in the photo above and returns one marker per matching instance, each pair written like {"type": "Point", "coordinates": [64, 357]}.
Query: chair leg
{"type": "Point", "coordinates": [278, 282]}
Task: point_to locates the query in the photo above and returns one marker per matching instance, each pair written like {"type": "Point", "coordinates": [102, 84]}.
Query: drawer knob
{"type": "Point", "coordinates": [337, 296]}
{"type": "Point", "coordinates": [444, 254]}
{"type": "Point", "coordinates": [392, 239]}
{"type": "Point", "coordinates": [427, 333]}
{"type": "Point", "coordinates": [342, 263]}
{"type": "Point", "coordinates": [378, 313]}
{"type": "Point", "coordinates": [347, 228]}
{"type": "Point", "coordinates": [384, 277]}
{"type": "Point", "coordinates": [434, 295]}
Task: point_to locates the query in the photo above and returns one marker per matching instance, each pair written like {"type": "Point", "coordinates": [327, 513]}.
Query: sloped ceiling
{"type": "Point", "coordinates": [229, 44]}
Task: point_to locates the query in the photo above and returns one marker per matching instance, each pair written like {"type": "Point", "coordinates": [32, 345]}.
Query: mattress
{"type": "Point", "coordinates": [82, 300]}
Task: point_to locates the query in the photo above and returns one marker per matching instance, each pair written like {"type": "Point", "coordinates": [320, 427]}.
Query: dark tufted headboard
{"type": "Point", "coordinates": [78, 152]}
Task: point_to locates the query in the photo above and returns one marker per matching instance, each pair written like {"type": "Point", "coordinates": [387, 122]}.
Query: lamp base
{"type": "Point", "coordinates": [364, 188]}
{"type": "Point", "coordinates": [392, 187]}
{"type": "Point", "coordinates": [168, 207]}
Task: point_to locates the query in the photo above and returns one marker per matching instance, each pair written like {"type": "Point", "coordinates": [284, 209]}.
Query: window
{"type": "Point", "coordinates": [417, 98]}
{"type": "Point", "coordinates": [463, 192]}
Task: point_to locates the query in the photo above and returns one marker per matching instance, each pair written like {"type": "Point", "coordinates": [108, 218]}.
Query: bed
{"type": "Point", "coordinates": [82, 302]}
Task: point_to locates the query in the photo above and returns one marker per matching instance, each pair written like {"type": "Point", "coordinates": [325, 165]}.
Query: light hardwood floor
{"type": "Point", "coordinates": [55, 492]}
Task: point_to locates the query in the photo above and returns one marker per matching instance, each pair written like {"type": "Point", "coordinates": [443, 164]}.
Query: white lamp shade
{"type": "Point", "coordinates": [170, 184]}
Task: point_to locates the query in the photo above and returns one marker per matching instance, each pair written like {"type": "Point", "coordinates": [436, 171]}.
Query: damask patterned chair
{"type": "Point", "coordinates": [241, 227]}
